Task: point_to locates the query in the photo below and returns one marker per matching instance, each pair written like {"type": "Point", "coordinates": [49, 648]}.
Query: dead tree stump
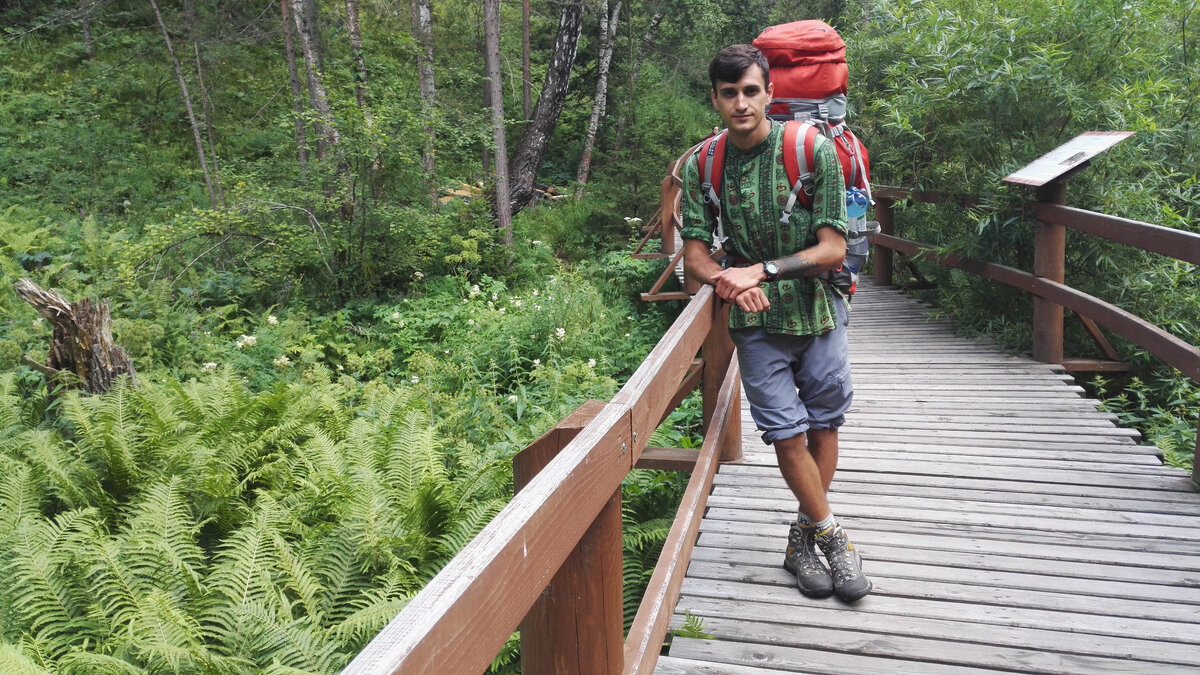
{"type": "Point", "coordinates": [82, 353]}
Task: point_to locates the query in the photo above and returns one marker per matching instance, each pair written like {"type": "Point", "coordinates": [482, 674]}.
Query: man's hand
{"type": "Point", "coordinates": [740, 285]}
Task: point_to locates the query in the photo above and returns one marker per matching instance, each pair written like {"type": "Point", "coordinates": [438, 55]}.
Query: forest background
{"type": "Point", "coordinates": [340, 342]}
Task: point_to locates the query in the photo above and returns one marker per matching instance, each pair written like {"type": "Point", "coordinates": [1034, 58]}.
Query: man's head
{"type": "Point", "coordinates": [731, 63]}
{"type": "Point", "coordinates": [741, 93]}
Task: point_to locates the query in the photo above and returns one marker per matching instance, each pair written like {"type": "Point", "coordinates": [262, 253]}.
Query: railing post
{"type": "Point", "coordinates": [717, 352]}
{"type": "Point", "coordinates": [577, 624]}
{"type": "Point", "coordinates": [1196, 459]}
{"type": "Point", "coordinates": [885, 213]}
{"type": "Point", "coordinates": [1049, 262]}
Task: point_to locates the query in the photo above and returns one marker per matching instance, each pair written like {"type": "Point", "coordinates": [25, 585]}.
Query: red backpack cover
{"type": "Point", "coordinates": [807, 59]}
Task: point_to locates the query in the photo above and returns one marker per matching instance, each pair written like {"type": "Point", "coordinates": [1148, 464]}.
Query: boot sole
{"type": "Point", "coordinates": [819, 593]}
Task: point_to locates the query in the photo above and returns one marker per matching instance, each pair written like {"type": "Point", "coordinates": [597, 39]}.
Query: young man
{"type": "Point", "coordinates": [789, 327]}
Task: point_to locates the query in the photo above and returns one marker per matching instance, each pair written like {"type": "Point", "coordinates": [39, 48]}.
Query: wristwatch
{"type": "Point", "coordinates": [771, 269]}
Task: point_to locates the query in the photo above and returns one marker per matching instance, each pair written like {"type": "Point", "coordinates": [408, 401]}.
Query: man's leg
{"type": "Point", "coordinates": [803, 476]}
{"type": "Point", "coordinates": [823, 446]}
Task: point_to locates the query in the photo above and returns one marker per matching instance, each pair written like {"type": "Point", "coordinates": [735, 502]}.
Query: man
{"type": "Point", "coordinates": [789, 327]}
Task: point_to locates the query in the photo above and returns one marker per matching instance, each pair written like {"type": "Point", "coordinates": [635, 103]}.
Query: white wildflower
{"type": "Point", "coordinates": [490, 303]}
{"type": "Point", "coordinates": [474, 290]}
{"type": "Point", "coordinates": [340, 368]}
{"type": "Point", "coordinates": [470, 322]}
{"type": "Point", "coordinates": [560, 333]}
{"type": "Point", "coordinates": [516, 302]}
{"type": "Point", "coordinates": [627, 335]}
{"type": "Point", "coordinates": [535, 292]}
{"type": "Point", "coordinates": [419, 275]}
{"type": "Point", "coordinates": [495, 297]}
{"type": "Point", "coordinates": [37, 321]}
{"type": "Point", "coordinates": [209, 365]}
{"type": "Point", "coordinates": [512, 398]}
{"type": "Point", "coordinates": [591, 363]}
{"type": "Point", "coordinates": [273, 320]}
{"type": "Point", "coordinates": [245, 341]}
{"type": "Point", "coordinates": [415, 379]}
{"type": "Point", "coordinates": [282, 361]}
{"type": "Point", "coordinates": [502, 310]}
{"type": "Point", "coordinates": [535, 242]}
{"type": "Point", "coordinates": [537, 307]}
{"type": "Point", "coordinates": [395, 315]}
{"type": "Point", "coordinates": [537, 362]}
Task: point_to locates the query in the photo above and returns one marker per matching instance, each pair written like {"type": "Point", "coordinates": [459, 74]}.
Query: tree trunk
{"type": "Point", "coordinates": [647, 40]}
{"type": "Point", "coordinates": [608, 32]}
{"type": "Point", "coordinates": [187, 102]}
{"type": "Point", "coordinates": [422, 21]}
{"type": "Point", "coordinates": [360, 63]}
{"type": "Point", "coordinates": [327, 133]}
{"type": "Point", "coordinates": [526, 95]}
{"type": "Point", "coordinates": [86, 11]}
{"type": "Point", "coordinates": [82, 353]}
{"type": "Point", "coordinates": [209, 112]}
{"type": "Point", "coordinates": [528, 157]}
{"type": "Point", "coordinates": [491, 28]}
{"type": "Point", "coordinates": [294, 79]}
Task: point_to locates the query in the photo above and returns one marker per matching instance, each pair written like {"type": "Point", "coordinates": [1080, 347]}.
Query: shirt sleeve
{"type": "Point", "coordinates": [698, 221]}
{"type": "Point", "coordinates": [829, 189]}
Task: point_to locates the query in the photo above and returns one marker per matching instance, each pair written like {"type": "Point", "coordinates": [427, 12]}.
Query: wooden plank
{"type": "Point", "coordinates": [733, 658]}
{"type": "Point", "coordinates": [888, 607]}
{"type": "Point", "coordinates": [767, 552]}
{"type": "Point", "coordinates": [1144, 649]}
{"type": "Point", "coordinates": [667, 459]}
{"type": "Point", "coordinates": [879, 490]}
{"type": "Point", "coordinates": [767, 636]}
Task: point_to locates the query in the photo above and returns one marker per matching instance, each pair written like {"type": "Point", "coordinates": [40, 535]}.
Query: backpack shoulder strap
{"type": "Point", "coordinates": [799, 146]}
{"type": "Point", "coordinates": [711, 165]}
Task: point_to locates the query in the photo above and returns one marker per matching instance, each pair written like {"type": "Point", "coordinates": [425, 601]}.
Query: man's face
{"type": "Point", "coordinates": [743, 104]}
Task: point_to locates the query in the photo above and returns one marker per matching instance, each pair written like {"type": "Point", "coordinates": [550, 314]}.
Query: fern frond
{"type": "Point", "coordinates": [93, 663]}
{"type": "Point", "coordinates": [334, 560]}
{"type": "Point", "coordinates": [43, 583]}
{"type": "Point", "coordinates": [414, 457]}
{"type": "Point", "coordinates": [60, 471]}
{"type": "Point", "coordinates": [358, 628]}
{"type": "Point", "coordinates": [294, 643]}
{"type": "Point", "coordinates": [166, 636]}
{"type": "Point", "coordinates": [467, 523]}
{"type": "Point", "coordinates": [298, 578]}
{"type": "Point", "coordinates": [15, 662]}
{"type": "Point", "coordinates": [160, 540]}
{"type": "Point", "coordinates": [20, 497]}
{"type": "Point", "coordinates": [242, 570]}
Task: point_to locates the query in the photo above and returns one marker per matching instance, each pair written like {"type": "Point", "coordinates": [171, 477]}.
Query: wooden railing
{"type": "Point", "coordinates": [1048, 285]}
{"type": "Point", "coordinates": [550, 561]}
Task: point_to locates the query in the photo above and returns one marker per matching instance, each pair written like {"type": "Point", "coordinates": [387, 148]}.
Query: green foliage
{"type": "Point", "coordinates": [1165, 412]}
{"type": "Point", "coordinates": [692, 627]}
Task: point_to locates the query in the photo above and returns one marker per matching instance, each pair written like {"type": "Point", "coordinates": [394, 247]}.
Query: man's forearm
{"type": "Point", "coordinates": [698, 262]}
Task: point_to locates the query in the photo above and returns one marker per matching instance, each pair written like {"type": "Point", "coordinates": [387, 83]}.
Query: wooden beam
{"type": "Point", "coordinates": [649, 628]}
{"type": "Point", "coordinates": [1174, 351]}
{"type": "Point", "coordinates": [667, 459]}
{"type": "Point", "coordinates": [1095, 366]}
{"type": "Point", "coordinates": [1049, 262]}
{"type": "Point", "coordinates": [1178, 244]}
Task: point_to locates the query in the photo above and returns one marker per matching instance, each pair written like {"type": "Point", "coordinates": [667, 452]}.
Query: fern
{"type": "Point", "coordinates": [15, 662]}
{"type": "Point", "coordinates": [91, 663]}
{"type": "Point", "coordinates": [43, 584]}
{"type": "Point", "coordinates": [294, 643]}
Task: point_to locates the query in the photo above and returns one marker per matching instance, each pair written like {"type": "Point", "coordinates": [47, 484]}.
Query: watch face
{"type": "Point", "coordinates": [771, 268]}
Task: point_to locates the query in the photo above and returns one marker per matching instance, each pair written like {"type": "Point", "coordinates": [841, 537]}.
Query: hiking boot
{"type": "Point", "coordinates": [845, 564]}
{"type": "Point", "coordinates": [812, 577]}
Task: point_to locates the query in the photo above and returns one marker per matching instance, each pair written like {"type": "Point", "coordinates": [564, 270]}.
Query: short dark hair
{"type": "Point", "coordinates": [731, 63]}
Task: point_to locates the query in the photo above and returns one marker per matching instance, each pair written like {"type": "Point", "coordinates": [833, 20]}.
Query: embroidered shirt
{"type": "Point", "coordinates": [754, 190]}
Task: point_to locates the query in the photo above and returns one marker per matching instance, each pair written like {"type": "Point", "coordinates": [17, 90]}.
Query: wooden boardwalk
{"type": "Point", "coordinates": [1006, 523]}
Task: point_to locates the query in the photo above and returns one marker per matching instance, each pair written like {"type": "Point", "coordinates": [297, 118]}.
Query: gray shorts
{"type": "Point", "coordinates": [796, 383]}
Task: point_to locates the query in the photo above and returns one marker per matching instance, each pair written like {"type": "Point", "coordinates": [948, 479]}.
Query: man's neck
{"type": "Point", "coordinates": [750, 139]}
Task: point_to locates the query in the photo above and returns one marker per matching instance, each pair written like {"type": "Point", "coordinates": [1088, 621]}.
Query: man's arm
{"type": "Point", "coordinates": [732, 285]}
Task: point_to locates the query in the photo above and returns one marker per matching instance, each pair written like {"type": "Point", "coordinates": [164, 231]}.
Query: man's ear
{"type": "Point", "coordinates": [771, 90]}
{"type": "Point", "coordinates": [712, 96]}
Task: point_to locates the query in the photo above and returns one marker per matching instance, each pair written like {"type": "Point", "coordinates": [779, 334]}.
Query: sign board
{"type": "Point", "coordinates": [1066, 157]}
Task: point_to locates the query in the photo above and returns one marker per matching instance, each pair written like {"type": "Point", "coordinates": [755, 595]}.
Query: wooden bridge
{"type": "Point", "coordinates": [1008, 525]}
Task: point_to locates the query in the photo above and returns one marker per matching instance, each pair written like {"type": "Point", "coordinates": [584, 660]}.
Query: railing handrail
{"type": "Point", "coordinates": [463, 616]}
{"type": "Point", "coordinates": [1052, 214]}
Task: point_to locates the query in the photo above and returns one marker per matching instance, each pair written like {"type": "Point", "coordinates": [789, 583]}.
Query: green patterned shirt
{"type": "Point", "coordinates": [753, 193]}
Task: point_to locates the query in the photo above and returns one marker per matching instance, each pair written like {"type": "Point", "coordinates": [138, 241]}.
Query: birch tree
{"type": "Point", "coordinates": [491, 29]}
{"type": "Point", "coordinates": [327, 134]}
{"type": "Point", "coordinates": [294, 79]}
{"type": "Point", "coordinates": [608, 32]}
{"type": "Point", "coordinates": [422, 26]}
